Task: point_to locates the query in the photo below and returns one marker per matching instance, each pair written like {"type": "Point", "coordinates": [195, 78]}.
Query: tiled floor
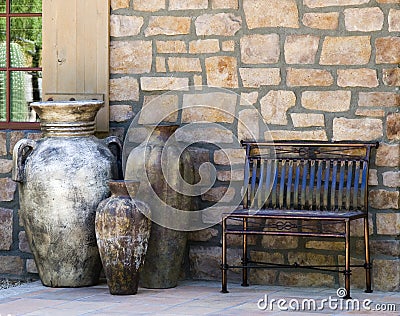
{"type": "Point", "coordinates": [192, 298]}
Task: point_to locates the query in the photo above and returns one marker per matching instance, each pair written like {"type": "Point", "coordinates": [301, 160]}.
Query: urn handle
{"type": "Point", "coordinates": [115, 145]}
{"type": "Point", "coordinates": [21, 151]}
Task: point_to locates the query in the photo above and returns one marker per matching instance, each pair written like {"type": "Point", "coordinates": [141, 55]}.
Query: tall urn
{"type": "Point", "coordinates": [122, 233]}
{"type": "Point", "coordinates": [62, 178]}
{"type": "Point", "coordinates": [166, 249]}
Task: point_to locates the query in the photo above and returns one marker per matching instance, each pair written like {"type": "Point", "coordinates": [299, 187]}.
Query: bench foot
{"type": "Point", "coordinates": [245, 284]}
{"type": "Point", "coordinates": [368, 291]}
{"type": "Point", "coordinates": [224, 291]}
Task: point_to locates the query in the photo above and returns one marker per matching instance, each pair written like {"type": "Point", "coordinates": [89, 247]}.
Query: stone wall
{"type": "Point", "coordinates": [312, 69]}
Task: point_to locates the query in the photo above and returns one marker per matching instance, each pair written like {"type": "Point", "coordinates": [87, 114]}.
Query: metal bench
{"type": "Point", "coordinates": [298, 183]}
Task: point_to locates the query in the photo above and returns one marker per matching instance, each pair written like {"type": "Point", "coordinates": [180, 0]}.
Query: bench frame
{"type": "Point", "coordinates": [334, 192]}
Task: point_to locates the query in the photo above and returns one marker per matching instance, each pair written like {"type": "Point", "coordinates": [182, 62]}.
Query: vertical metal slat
{"type": "Point", "coordinates": [282, 184]}
{"type": "Point", "coordinates": [355, 185]}
{"type": "Point", "coordinates": [310, 190]}
{"type": "Point", "coordinates": [364, 178]}
{"type": "Point", "coordinates": [296, 185]}
{"type": "Point", "coordinates": [318, 189]}
{"type": "Point", "coordinates": [326, 184]}
{"type": "Point", "coordinates": [341, 184]}
{"type": "Point", "coordinates": [348, 186]}
{"type": "Point", "coordinates": [275, 185]}
{"type": "Point", "coordinates": [253, 182]}
{"type": "Point", "coordinates": [260, 190]}
{"type": "Point", "coordinates": [333, 185]}
{"type": "Point", "coordinates": [304, 185]}
{"type": "Point", "coordinates": [268, 184]}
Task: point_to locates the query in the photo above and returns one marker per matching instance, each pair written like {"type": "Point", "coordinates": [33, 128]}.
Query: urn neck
{"type": "Point", "coordinates": [123, 188]}
{"type": "Point", "coordinates": [67, 118]}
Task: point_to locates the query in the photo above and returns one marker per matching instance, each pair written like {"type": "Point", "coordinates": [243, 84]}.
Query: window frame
{"type": "Point", "coordinates": [8, 15]}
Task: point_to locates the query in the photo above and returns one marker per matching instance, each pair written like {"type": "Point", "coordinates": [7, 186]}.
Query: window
{"type": "Point", "coordinates": [20, 62]}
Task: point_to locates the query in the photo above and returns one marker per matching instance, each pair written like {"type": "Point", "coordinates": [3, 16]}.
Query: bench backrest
{"type": "Point", "coordinates": [321, 176]}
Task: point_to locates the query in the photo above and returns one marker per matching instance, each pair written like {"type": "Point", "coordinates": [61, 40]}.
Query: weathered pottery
{"type": "Point", "coordinates": [166, 248]}
{"type": "Point", "coordinates": [62, 178]}
{"type": "Point", "coordinates": [122, 233]}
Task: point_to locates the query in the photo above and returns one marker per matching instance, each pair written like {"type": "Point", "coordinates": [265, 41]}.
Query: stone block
{"type": "Point", "coordinates": [31, 266]}
{"type": "Point", "coordinates": [7, 189]}
{"type": "Point", "coordinates": [161, 64]}
{"type": "Point", "coordinates": [248, 98]}
{"type": "Point", "coordinates": [205, 261]}
{"type": "Point", "coordinates": [271, 13]}
{"type": "Point", "coordinates": [184, 64]}
{"type": "Point", "coordinates": [119, 4]}
{"type": "Point", "coordinates": [203, 235]}
{"type": "Point", "coordinates": [308, 77]}
{"type": "Point", "coordinates": [210, 107]}
{"type": "Point", "coordinates": [363, 129]}
{"type": "Point", "coordinates": [386, 274]}
{"type": "Point", "coordinates": [388, 223]}
{"type": "Point", "coordinates": [357, 273]}
{"type": "Point", "coordinates": [228, 175]}
{"type": "Point", "coordinates": [23, 244]}
{"type": "Point", "coordinates": [275, 104]}
{"type": "Point", "coordinates": [310, 258]}
{"type": "Point", "coordinates": [201, 133]}
{"type": "Point", "coordinates": [11, 265]}
{"type": "Point", "coordinates": [5, 165]}
{"type": "Point", "coordinates": [187, 5]}
{"type": "Point", "coordinates": [301, 49]}
{"type": "Point", "coordinates": [130, 57]}
{"type": "Point", "coordinates": [391, 179]}
{"type": "Point", "coordinates": [332, 3]}
{"type": "Point", "coordinates": [15, 136]}
{"type": "Point", "coordinates": [171, 47]}
{"type": "Point", "coordinates": [265, 276]}
{"type": "Point", "coordinates": [328, 101]}
{"type": "Point", "coordinates": [387, 50]}
{"type": "Point", "coordinates": [121, 113]}
{"type": "Point", "coordinates": [123, 89]}
{"type": "Point", "coordinates": [159, 108]}
{"type": "Point", "coordinates": [206, 46]}
{"type": "Point", "coordinates": [394, 20]}
{"type": "Point", "coordinates": [325, 245]}
{"type": "Point", "coordinates": [121, 25]}
{"type": "Point", "coordinates": [369, 112]}
{"type": "Point", "coordinates": [307, 119]}
{"type": "Point", "coordinates": [363, 19]}
{"type": "Point", "coordinates": [149, 5]}
{"type": "Point", "coordinates": [383, 199]}
{"type": "Point", "coordinates": [381, 99]}
{"type": "Point", "coordinates": [257, 77]}
{"type": "Point", "coordinates": [229, 156]}
{"type": "Point", "coordinates": [322, 21]}
{"type": "Point", "coordinates": [306, 279]}
{"type": "Point", "coordinates": [279, 242]}
{"type": "Point", "coordinates": [228, 46]}
{"type": "Point", "coordinates": [296, 135]}
{"type": "Point", "coordinates": [198, 81]}
{"type": "Point", "coordinates": [346, 50]}
{"type": "Point", "coordinates": [222, 71]}
{"type": "Point", "coordinates": [260, 49]}
{"type": "Point", "coordinates": [388, 1]}
{"type": "Point", "coordinates": [164, 83]}
{"type": "Point", "coordinates": [362, 77]}
{"type": "Point", "coordinates": [393, 126]}
{"type": "Point", "coordinates": [219, 194]}
{"type": "Point", "coordinates": [388, 155]}
{"type": "Point", "coordinates": [373, 177]}
{"type": "Point", "coordinates": [3, 143]}
{"type": "Point", "coordinates": [225, 4]}
{"type": "Point", "coordinates": [382, 247]}
{"type": "Point", "coordinates": [248, 125]}
{"type": "Point", "coordinates": [391, 77]}
{"type": "Point", "coordinates": [168, 25]}
{"type": "Point", "coordinates": [6, 228]}
{"type": "Point", "coordinates": [223, 24]}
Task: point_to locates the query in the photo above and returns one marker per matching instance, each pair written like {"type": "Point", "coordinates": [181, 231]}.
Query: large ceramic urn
{"type": "Point", "coordinates": [122, 232]}
{"type": "Point", "coordinates": [166, 249]}
{"type": "Point", "coordinates": [62, 179]}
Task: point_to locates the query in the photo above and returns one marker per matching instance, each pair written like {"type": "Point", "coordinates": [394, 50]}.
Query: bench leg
{"type": "Point", "coordinates": [224, 265]}
{"type": "Point", "coordinates": [245, 258]}
{"type": "Point", "coordinates": [368, 266]}
{"type": "Point", "coordinates": [347, 271]}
